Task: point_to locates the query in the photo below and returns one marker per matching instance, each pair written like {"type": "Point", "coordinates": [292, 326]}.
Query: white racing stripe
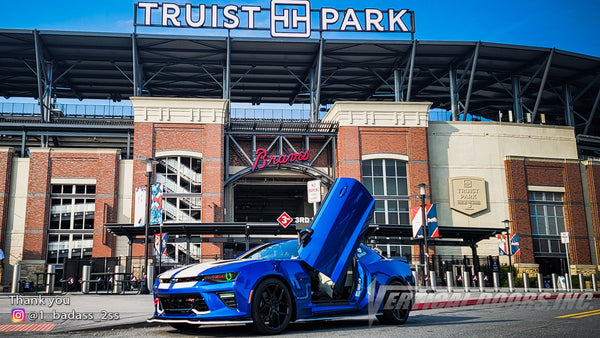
{"type": "Point", "coordinates": [193, 270]}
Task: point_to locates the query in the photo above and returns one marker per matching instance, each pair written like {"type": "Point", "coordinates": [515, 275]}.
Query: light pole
{"type": "Point", "coordinates": [149, 162]}
{"type": "Point", "coordinates": [422, 187]}
{"type": "Point", "coordinates": [508, 243]}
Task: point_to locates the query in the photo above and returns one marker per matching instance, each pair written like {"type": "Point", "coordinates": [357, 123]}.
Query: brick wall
{"type": "Point", "coordinates": [46, 164]}
{"type": "Point", "coordinates": [523, 172]}
{"type": "Point", "coordinates": [207, 139]}
{"type": "Point", "coordinates": [355, 142]}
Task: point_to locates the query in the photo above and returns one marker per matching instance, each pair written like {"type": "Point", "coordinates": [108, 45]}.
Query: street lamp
{"type": "Point", "coordinates": [149, 168]}
{"type": "Point", "coordinates": [422, 187]}
{"type": "Point", "coordinates": [508, 243]}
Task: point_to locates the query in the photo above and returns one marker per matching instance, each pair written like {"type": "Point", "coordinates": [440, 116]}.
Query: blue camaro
{"type": "Point", "coordinates": [325, 273]}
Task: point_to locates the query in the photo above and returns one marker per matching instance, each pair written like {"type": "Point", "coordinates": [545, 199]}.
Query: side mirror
{"type": "Point", "coordinates": [304, 236]}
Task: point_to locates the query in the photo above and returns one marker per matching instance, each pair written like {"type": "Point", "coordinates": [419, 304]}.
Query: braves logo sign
{"type": "Point", "coordinates": [261, 160]}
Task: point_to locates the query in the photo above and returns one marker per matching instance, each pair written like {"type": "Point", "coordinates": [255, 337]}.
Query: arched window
{"type": "Point", "coordinates": [386, 181]}
{"type": "Point", "coordinates": [182, 181]}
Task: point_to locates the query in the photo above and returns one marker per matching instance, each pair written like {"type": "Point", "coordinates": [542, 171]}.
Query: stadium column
{"type": "Point", "coordinates": [6, 160]}
{"type": "Point", "coordinates": [592, 172]}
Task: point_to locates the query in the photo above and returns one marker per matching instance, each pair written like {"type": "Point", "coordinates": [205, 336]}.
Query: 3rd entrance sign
{"type": "Point", "coordinates": [284, 219]}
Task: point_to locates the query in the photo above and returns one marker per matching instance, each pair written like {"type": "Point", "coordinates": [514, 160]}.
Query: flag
{"type": "Point", "coordinates": [416, 217]}
{"type": "Point", "coordinates": [156, 206]}
{"type": "Point", "coordinates": [514, 244]}
{"type": "Point", "coordinates": [502, 250]}
{"type": "Point", "coordinates": [139, 213]}
{"type": "Point", "coordinates": [157, 244]}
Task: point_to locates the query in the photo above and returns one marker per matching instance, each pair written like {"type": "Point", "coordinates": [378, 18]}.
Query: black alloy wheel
{"type": "Point", "coordinates": [271, 307]}
{"type": "Point", "coordinates": [401, 305]}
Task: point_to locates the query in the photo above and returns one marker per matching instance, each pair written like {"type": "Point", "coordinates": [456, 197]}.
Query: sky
{"type": "Point", "coordinates": [568, 25]}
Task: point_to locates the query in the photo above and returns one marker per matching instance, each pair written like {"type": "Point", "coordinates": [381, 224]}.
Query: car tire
{"type": "Point", "coordinates": [184, 326]}
{"type": "Point", "coordinates": [399, 314]}
{"type": "Point", "coordinates": [271, 307]}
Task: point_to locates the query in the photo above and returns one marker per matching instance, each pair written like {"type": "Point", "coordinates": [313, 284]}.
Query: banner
{"type": "Point", "coordinates": [157, 244]}
{"type": "Point", "coordinates": [514, 244]}
{"type": "Point", "coordinates": [139, 213]}
{"type": "Point", "coordinates": [156, 208]}
{"type": "Point", "coordinates": [416, 217]}
{"type": "Point", "coordinates": [502, 250]}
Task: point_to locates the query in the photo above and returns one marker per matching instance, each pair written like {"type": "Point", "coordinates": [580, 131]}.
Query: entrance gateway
{"type": "Point", "coordinates": [268, 165]}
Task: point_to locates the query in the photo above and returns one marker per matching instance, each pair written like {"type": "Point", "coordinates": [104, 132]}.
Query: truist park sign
{"type": "Point", "coordinates": [284, 18]}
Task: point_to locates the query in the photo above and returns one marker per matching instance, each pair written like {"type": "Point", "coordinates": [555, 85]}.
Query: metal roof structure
{"type": "Point", "coordinates": [540, 85]}
{"type": "Point", "coordinates": [453, 236]}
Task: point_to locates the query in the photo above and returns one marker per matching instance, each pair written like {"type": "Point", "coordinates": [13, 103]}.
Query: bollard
{"type": "Point", "coordinates": [540, 282]}
{"type": "Point", "coordinates": [568, 282]}
{"type": "Point", "coordinates": [594, 285]}
{"type": "Point", "coordinates": [481, 281]}
{"type": "Point", "coordinates": [15, 278]}
{"type": "Point", "coordinates": [466, 280]}
{"type": "Point", "coordinates": [511, 284]}
{"type": "Point", "coordinates": [150, 277]}
{"type": "Point", "coordinates": [415, 274]}
{"type": "Point", "coordinates": [554, 287]}
{"type": "Point", "coordinates": [449, 280]}
{"type": "Point", "coordinates": [526, 282]}
{"type": "Point", "coordinates": [581, 287]}
{"type": "Point", "coordinates": [85, 277]}
{"type": "Point", "coordinates": [432, 278]}
{"type": "Point", "coordinates": [117, 277]}
{"type": "Point", "coordinates": [50, 275]}
{"type": "Point", "coordinates": [496, 277]}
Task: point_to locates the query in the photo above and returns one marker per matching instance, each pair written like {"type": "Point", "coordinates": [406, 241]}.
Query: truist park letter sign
{"type": "Point", "coordinates": [284, 18]}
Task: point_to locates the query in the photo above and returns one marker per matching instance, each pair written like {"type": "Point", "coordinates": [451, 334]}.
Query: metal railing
{"type": "Point", "coordinates": [59, 111]}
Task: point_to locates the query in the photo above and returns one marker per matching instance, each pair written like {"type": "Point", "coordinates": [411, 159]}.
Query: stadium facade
{"type": "Point", "coordinates": [495, 132]}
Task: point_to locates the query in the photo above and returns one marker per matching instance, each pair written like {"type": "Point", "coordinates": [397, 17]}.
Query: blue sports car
{"type": "Point", "coordinates": [326, 273]}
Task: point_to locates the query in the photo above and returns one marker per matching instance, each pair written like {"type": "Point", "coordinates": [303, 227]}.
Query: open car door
{"type": "Point", "coordinates": [336, 231]}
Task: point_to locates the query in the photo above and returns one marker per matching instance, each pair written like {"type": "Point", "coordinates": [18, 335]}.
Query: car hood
{"type": "Point", "coordinates": [205, 268]}
{"type": "Point", "coordinates": [338, 228]}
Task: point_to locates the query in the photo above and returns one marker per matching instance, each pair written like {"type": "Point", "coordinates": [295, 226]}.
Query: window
{"type": "Point", "coordinates": [547, 222]}
{"type": "Point", "coordinates": [386, 181]}
{"type": "Point", "coordinates": [182, 181]}
{"type": "Point", "coordinates": [71, 228]}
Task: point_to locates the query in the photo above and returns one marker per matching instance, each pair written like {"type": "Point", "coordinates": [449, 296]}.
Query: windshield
{"type": "Point", "coordinates": [276, 250]}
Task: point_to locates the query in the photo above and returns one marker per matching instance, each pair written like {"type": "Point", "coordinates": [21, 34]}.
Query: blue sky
{"type": "Point", "coordinates": [568, 25]}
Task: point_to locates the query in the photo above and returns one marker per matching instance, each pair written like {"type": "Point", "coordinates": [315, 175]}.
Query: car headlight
{"type": "Point", "coordinates": [214, 278]}
{"type": "Point", "coordinates": [221, 277]}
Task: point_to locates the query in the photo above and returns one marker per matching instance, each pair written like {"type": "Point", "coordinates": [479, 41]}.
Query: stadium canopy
{"type": "Point", "coordinates": [539, 85]}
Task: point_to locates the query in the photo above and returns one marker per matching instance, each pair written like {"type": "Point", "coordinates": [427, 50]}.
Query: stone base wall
{"type": "Point", "coordinates": [586, 270]}
{"type": "Point", "coordinates": [530, 269]}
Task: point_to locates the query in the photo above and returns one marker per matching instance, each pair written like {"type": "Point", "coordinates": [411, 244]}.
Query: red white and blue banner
{"type": "Point", "coordinates": [157, 243]}
{"type": "Point", "coordinates": [416, 217]}
{"type": "Point", "coordinates": [156, 207]}
{"type": "Point", "coordinates": [139, 213]}
{"type": "Point", "coordinates": [514, 245]}
{"type": "Point", "coordinates": [502, 250]}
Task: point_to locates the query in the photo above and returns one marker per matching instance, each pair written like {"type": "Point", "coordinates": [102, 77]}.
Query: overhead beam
{"type": "Point", "coordinates": [411, 70]}
{"type": "Point", "coordinates": [471, 79]}
{"type": "Point", "coordinates": [542, 85]}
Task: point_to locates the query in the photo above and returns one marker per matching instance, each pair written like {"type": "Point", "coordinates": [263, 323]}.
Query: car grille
{"type": "Point", "coordinates": [182, 304]}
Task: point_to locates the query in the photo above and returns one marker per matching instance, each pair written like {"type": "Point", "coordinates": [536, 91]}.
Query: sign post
{"type": "Point", "coordinates": [314, 193]}
{"type": "Point", "coordinates": [564, 239]}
